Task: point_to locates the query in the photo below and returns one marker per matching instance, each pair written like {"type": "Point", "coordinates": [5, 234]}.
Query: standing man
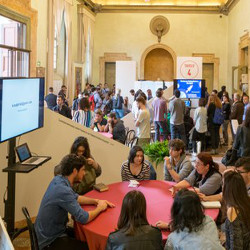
{"type": "Point", "coordinates": [160, 113]}
{"type": "Point", "coordinates": [237, 109]}
{"type": "Point", "coordinates": [97, 98]}
{"type": "Point", "coordinates": [61, 108]}
{"type": "Point", "coordinates": [50, 99]}
{"type": "Point", "coordinates": [220, 94]}
{"type": "Point", "coordinates": [58, 201]}
{"type": "Point", "coordinates": [149, 92]}
{"type": "Point", "coordinates": [246, 104]}
{"type": "Point", "coordinates": [143, 122]}
{"type": "Point", "coordinates": [63, 93]}
{"type": "Point", "coordinates": [177, 112]}
{"type": "Point", "coordinates": [75, 104]}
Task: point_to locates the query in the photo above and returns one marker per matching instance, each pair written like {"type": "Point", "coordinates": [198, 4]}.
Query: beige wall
{"type": "Point", "coordinates": [189, 33]}
{"type": "Point", "coordinates": [42, 24]}
{"type": "Point", "coordinates": [55, 140]}
{"type": "Point", "coordinates": [238, 21]}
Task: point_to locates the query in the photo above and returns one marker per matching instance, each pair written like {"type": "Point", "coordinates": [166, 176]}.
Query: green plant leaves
{"type": "Point", "coordinates": [157, 151]}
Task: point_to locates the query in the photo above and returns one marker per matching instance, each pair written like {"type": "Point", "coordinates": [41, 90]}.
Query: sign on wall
{"type": "Point", "coordinates": [189, 67]}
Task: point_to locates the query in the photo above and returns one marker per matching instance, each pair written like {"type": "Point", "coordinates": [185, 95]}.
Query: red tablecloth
{"type": "Point", "coordinates": [108, 135]}
{"type": "Point", "coordinates": [159, 202]}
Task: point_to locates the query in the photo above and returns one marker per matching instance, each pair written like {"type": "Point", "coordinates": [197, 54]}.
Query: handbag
{"type": "Point", "coordinates": [230, 157]}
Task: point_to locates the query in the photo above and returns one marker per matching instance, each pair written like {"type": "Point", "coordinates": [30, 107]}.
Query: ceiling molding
{"type": "Point", "coordinates": [159, 9]}
{"type": "Point", "coordinates": [192, 9]}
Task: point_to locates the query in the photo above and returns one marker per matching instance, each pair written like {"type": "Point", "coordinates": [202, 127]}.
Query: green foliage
{"type": "Point", "coordinates": [157, 151]}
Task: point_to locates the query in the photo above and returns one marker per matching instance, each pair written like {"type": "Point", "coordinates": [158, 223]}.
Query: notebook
{"type": "Point", "coordinates": [211, 204]}
{"type": "Point", "coordinates": [25, 157]}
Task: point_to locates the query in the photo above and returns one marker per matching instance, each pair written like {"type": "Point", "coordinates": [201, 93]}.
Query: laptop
{"type": "Point", "coordinates": [25, 157]}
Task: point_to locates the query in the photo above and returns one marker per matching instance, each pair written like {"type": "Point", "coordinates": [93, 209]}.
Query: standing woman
{"type": "Point", "coordinates": [200, 119]}
{"type": "Point", "coordinates": [214, 129]}
{"type": "Point", "coordinates": [84, 115]}
{"type": "Point", "coordinates": [238, 211]}
{"type": "Point", "coordinates": [135, 168]}
{"type": "Point", "coordinates": [133, 229]}
{"type": "Point", "coordinates": [80, 147]}
{"type": "Point", "coordinates": [226, 107]}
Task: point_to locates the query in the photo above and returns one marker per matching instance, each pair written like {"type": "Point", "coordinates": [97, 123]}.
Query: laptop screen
{"type": "Point", "coordinates": [23, 152]}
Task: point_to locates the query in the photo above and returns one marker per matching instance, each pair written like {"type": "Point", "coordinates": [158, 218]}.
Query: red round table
{"type": "Point", "coordinates": [159, 202]}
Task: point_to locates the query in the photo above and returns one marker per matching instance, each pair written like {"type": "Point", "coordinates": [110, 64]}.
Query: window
{"type": "Point", "coordinates": [14, 56]}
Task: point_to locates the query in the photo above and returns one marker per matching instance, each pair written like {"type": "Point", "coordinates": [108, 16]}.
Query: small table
{"type": "Point", "coordinates": [106, 134]}
{"type": "Point", "coordinates": [159, 203]}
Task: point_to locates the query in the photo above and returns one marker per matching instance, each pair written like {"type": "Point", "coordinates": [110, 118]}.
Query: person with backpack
{"type": "Point", "coordinates": [215, 119]}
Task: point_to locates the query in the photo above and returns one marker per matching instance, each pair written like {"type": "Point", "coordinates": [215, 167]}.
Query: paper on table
{"type": "Point", "coordinates": [211, 204]}
{"type": "Point", "coordinates": [133, 183]}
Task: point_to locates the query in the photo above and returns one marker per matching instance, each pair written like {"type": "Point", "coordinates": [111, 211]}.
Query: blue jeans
{"type": "Point", "coordinates": [178, 131]}
{"type": "Point", "coordinates": [164, 127]}
{"type": "Point", "coordinates": [119, 113]}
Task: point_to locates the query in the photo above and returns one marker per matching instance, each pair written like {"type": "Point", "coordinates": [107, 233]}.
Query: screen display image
{"type": "Point", "coordinates": [23, 152]}
{"type": "Point", "coordinates": [21, 106]}
{"type": "Point", "coordinates": [193, 89]}
{"type": "Point", "coordinates": [187, 103]}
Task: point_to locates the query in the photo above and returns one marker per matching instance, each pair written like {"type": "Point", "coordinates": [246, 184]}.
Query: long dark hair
{"type": "Point", "coordinates": [235, 195]}
{"type": "Point", "coordinates": [132, 154]}
{"type": "Point", "coordinates": [133, 213]}
{"type": "Point", "coordinates": [186, 212]}
{"type": "Point", "coordinates": [81, 141]}
{"type": "Point", "coordinates": [246, 122]}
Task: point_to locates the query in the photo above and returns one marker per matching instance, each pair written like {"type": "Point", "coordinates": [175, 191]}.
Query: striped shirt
{"type": "Point", "coordinates": [86, 118]}
{"type": "Point", "coordinates": [127, 175]}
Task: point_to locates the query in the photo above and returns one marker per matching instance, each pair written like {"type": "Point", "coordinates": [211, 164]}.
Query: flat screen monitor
{"type": "Point", "coordinates": [190, 89]}
{"type": "Point", "coordinates": [21, 106]}
{"type": "Point", "coordinates": [188, 103]}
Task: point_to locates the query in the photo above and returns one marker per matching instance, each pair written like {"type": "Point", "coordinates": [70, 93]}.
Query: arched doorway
{"type": "Point", "coordinates": [158, 62]}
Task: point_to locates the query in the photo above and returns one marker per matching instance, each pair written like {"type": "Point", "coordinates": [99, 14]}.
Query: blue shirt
{"type": "Point", "coordinates": [58, 201]}
{"type": "Point", "coordinates": [245, 110]}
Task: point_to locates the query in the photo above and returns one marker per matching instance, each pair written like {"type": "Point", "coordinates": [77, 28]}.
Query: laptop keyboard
{"type": "Point", "coordinates": [33, 159]}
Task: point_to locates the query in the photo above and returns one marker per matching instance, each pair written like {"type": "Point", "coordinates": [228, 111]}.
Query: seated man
{"type": "Point", "coordinates": [61, 108]}
{"type": "Point", "coordinates": [99, 122]}
{"type": "Point", "coordinates": [116, 128]}
{"type": "Point", "coordinates": [58, 201]}
{"type": "Point", "coordinates": [177, 166]}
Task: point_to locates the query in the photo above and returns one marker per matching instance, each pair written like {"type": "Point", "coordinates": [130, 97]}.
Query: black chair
{"type": "Point", "coordinates": [133, 142]}
{"type": "Point", "coordinates": [130, 136]}
{"type": "Point", "coordinates": [33, 238]}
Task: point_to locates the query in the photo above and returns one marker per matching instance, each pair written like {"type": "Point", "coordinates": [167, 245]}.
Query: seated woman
{"type": "Point", "coordinates": [133, 229]}
{"type": "Point", "coordinates": [191, 229]}
{"type": "Point", "coordinates": [135, 168]}
{"type": "Point", "coordinates": [99, 122]}
{"type": "Point", "coordinates": [92, 168]}
{"type": "Point", "coordinates": [177, 166]}
{"type": "Point", "coordinates": [242, 138]}
{"type": "Point", "coordinates": [84, 115]}
{"type": "Point", "coordinates": [237, 224]}
{"type": "Point", "coordinates": [205, 176]}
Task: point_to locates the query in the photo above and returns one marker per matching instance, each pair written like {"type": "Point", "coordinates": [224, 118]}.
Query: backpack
{"type": "Point", "coordinates": [218, 116]}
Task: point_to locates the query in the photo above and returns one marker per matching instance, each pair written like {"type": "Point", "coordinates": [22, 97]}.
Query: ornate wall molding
{"type": "Point", "coordinates": [156, 46]}
{"type": "Point", "coordinates": [210, 58]}
{"type": "Point", "coordinates": [110, 57]}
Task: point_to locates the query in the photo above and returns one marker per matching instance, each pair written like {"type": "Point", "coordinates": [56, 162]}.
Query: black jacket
{"type": "Point", "coordinates": [147, 238]}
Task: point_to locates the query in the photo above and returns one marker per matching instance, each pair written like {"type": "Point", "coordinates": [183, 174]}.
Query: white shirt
{"type": "Point", "coordinates": [200, 118]}
{"type": "Point", "coordinates": [143, 130]}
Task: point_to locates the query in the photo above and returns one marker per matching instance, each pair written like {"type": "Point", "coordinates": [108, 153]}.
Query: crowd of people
{"type": "Point", "coordinates": [202, 181]}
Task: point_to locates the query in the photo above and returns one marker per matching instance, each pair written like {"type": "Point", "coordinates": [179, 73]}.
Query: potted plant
{"type": "Point", "coordinates": [157, 151]}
